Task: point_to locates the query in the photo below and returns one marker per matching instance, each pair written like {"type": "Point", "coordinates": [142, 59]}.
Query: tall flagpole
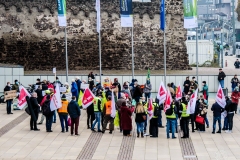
{"type": "Point", "coordinates": [163, 27]}
{"type": "Point", "coordinates": [66, 54]}
{"type": "Point", "coordinates": [197, 52]}
{"type": "Point", "coordinates": [132, 56]}
{"type": "Point", "coordinates": [165, 57]}
{"type": "Point", "coordinates": [100, 56]}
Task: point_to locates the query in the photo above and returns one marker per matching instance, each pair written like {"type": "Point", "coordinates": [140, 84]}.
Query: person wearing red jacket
{"type": "Point", "coordinates": [235, 97]}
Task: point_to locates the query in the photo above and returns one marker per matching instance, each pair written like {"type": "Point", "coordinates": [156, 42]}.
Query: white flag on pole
{"type": "Point", "coordinates": [22, 102]}
{"type": "Point", "coordinates": [162, 93]}
{"type": "Point", "coordinates": [98, 9]}
{"type": "Point", "coordinates": [179, 92]}
{"type": "Point", "coordinates": [192, 103]}
{"type": "Point", "coordinates": [113, 111]}
{"type": "Point", "coordinates": [220, 98]}
{"type": "Point", "coordinates": [56, 99]}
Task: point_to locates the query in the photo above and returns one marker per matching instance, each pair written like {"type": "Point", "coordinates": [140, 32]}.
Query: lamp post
{"type": "Point", "coordinates": [206, 31]}
{"type": "Point", "coordinates": [221, 48]}
{"type": "Point", "coordinates": [233, 23]}
{"type": "Point", "coordinates": [213, 34]}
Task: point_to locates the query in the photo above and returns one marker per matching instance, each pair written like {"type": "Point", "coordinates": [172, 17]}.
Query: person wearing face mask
{"type": "Point", "coordinates": [234, 82]}
{"type": "Point", "coordinates": [8, 102]}
{"type": "Point", "coordinates": [16, 85]}
{"type": "Point", "coordinates": [137, 92]}
{"type": "Point", "coordinates": [126, 89]}
{"type": "Point", "coordinates": [205, 90]}
{"type": "Point", "coordinates": [147, 89]}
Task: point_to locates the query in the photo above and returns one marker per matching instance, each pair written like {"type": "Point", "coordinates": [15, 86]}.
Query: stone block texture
{"type": "Point", "coordinates": [30, 36]}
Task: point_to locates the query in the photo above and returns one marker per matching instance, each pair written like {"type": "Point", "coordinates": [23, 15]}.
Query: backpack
{"type": "Point", "coordinates": [156, 110]}
{"type": "Point", "coordinates": [46, 108]}
{"type": "Point", "coordinates": [169, 111]}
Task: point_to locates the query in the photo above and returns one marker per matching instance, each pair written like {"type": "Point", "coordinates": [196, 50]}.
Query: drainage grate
{"type": "Point", "coordinates": [13, 123]}
{"type": "Point", "coordinates": [90, 146]}
{"type": "Point", "coordinates": [188, 150]}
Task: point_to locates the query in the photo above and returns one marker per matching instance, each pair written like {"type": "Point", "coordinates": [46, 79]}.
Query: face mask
{"type": "Point", "coordinates": [148, 82]}
{"type": "Point", "coordinates": [203, 84]}
{"type": "Point", "coordinates": [16, 83]}
{"type": "Point", "coordinates": [8, 85]}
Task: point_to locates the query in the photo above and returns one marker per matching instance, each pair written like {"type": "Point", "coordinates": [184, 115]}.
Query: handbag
{"type": "Point", "coordinates": [27, 111]}
{"type": "Point", "coordinates": [200, 120]}
{"type": "Point", "coordinates": [69, 121]}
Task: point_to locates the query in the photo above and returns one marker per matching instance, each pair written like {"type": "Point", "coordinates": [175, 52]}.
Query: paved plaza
{"type": "Point", "coordinates": [18, 142]}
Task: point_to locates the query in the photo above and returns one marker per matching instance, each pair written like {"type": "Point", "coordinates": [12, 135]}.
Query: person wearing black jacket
{"type": "Point", "coordinates": [74, 112]}
{"type": "Point", "coordinates": [237, 64]}
{"type": "Point", "coordinates": [186, 86]}
{"type": "Point", "coordinates": [217, 111]}
{"type": "Point", "coordinates": [226, 124]}
{"type": "Point", "coordinates": [35, 107]}
{"type": "Point", "coordinates": [221, 77]}
{"type": "Point", "coordinates": [9, 101]}
{"type": "Point", "coordinates": [231, 108]}
{"type": "Point", "coordinates": [137, 93]}
{"type": "Point", "coordinates": [39, 94]}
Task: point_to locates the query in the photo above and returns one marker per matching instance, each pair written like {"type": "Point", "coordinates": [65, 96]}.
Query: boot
{"type": "Point", "coordinates": [142, 135]}
{"type": "Point", "coordinates": [137, 134]}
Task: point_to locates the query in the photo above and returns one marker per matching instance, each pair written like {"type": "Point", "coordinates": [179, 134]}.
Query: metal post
{"type": "Point", "coordinates": [213, 34]}
{"type": "Point", "coordinates": [100, 56]}
{"type": "Point", "coordinates": [221, 48]}
{"type": "Point", "coordinates": [66, 54]}
{"type": "Point", "coordinates": [197, 52]}
{"type": "Point", "coordinates": [233, 22]}
{"type": "Point", "coordinates": [165, 57]}
{"type": "Point", "coordinates": [132, 56]}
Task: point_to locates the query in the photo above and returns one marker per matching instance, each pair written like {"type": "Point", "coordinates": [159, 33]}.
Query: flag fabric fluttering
{"type": "Point", "coordinates": [56, 99]}
{"type": "Point", "coordinates": [98, 9]}
{"type": "Point", "coordinates": [22, 102]}
{"type": "Point", "coordinates": [62, 12]}
{"type": "Point", "coordinates": [87, 98]}
{"type": "Point", "coordinates": [168, 101]}
{"type": "Point", "coordinates": [220, 98]}
{"type": "Point", "coordinates": [150, 109]}
{"type": "Point", "coordinates": [162, 15]}
{"type": "Point", "coordinates": [179, 93]}
{"type": "Point", "coordinates": [162, 92]}
{"type": "Point", "coordinates": [192, 103]}
{"type": "Point", "coordinates": [113, 111]}
{"type": "Point", "coordinates": [80, 98]}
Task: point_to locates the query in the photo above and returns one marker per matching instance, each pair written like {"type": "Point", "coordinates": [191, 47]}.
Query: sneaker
{"type": "Point", "coordinates": [226, 131]}
{"type": "Point", "coordinates": [39, 123]}
{"type": "Point", "coordinates": [207, 126]}
{"type": "Point", "coordinates": [93, 130]}
{"type": "Point", "coordinates": [213, 132]}
{"type": "Point", "coordinates": [218, 131]}
{"type": "Point", "coordinates": [229, 131]}
{"type": "Point", "coordinates": [99, 130]}
{"type": "Point", "coordinates": [110, 132]}
{"type": "Point", "coordinates": [174, 137]}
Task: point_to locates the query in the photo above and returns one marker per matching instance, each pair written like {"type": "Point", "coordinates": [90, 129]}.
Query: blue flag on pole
{"type": "Point", "coordinates": [162, 15]}
{"type": "Point", "coordinates": [126, 13]}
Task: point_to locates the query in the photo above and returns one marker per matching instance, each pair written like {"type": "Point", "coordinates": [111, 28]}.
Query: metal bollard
{"type": "Point", "coordinates": [226, 63]}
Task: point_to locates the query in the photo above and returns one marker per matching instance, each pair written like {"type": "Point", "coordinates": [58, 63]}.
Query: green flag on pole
{"type": "Point", "coordinates": [148, 74]}
{"type": "Point", "coordinates": [62, 12]}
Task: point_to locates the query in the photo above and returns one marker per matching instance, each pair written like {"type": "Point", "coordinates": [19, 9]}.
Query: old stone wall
{"type": "Point", "coordinates": [30, 35]}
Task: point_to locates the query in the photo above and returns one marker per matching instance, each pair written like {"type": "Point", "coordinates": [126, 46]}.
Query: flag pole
{"type": "Point", "coordinates": [197, 52]}
{"type": "Point", "coordinates": [100, 56]}
{"type": "Point", "coordinates": [165, 57]}
{"type": "Point", "coordinates": [132, 56]}
{"type": "Point", "coordinates": [66, 54]}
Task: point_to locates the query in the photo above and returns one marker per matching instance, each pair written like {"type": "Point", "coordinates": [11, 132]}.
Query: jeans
{"type": "Point", "coordinates": [97, 120]}
{"type": "Point", "coordinates": [140, 126]}
{"type": "Point", "coordinates": [160, 119]}
{"type": "Point", "coordinates": [145, 124]}
{"type": "Point", "coordinates": [63, 119]}
{"type": "Point", "coordinates": [9, 103]}
{"type": "Point", "coordinates": [170, 122]}
{"type": "Point", "coordinates": [147, 95]}
{"type": "Point", "coordinates": [176, 123]}
{"type": "Point", "coordinates": [49, 120]}
{"type": "Point", "coordinates": [54, 117]}
{"type": "Point", "coordinates": [215, 119]}
{"type": "Point", "coordinates": [206, 120]}
{"type": "Point", "coordinates": [226, 124]}
{"type": "Point", "coordinates": [221, 83]}
{"type": "Point", "coordinates": [230, 120]}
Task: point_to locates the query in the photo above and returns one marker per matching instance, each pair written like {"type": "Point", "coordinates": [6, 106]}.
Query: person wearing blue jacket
{"type": "Point", "coordinates": [74, 89]}
{"type": "Point", "coordinates": [217, 111]}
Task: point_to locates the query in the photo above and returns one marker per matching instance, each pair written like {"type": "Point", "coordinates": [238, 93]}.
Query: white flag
{"type": "Point", "coordinates": [179, 92]}
{"type": "Point", "coordinates": [162, 93]}
{"type": "Point", "coordinates": [56, 99]}
{"type": "Point", "coordinates": [98, 9]}
{"type": "Point", "coordinates": [220, 98]}
{"type": "Point", "coordinates": [168, 101]}
{"type": "Point", "coordinates": [192, 103]}
{"type": "Point", "coordinates": [113, 111]}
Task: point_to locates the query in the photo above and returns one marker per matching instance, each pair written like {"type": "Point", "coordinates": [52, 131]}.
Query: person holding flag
{"type": "Point", "coordinates": [153, 112]}
{"type": "Point", "coordinates": [184, 118]}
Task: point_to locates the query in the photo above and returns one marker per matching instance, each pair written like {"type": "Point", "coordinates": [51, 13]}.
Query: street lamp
{"type": "Point", "coordinates": [213, 34]}
{"type": "Point", "coordinates": [221, 47]}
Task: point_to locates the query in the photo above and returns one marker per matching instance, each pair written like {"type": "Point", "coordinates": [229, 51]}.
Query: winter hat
{"type": "Point", "coordinates": [204, 82]}
{"type": "Point", "coordinates": [63, 96]}
{"type": "Point", "coordinates": [47, 92]}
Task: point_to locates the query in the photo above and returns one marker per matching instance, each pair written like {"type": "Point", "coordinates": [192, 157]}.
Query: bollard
{"type": "Point", "coordinates": [226, 63]}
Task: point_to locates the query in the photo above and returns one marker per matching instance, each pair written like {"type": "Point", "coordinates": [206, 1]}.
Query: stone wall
{"type": "Point", "coordinates": [30, 36]}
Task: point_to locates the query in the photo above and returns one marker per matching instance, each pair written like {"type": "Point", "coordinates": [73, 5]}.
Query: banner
{"type": "Point", "coordinates": [87, 98]}
{"type": "Point", "coordinates": [62, 12]}
{"type": "Point", "coordinates": [126, 13]}
{"type": "Point", "coordinates": [98, 9]}
{"type": "Point", "coordinates": [179, 93]}
{"type": "Point", "coordinates": [10, 95]}
{"type": "Point", "coordinates": [192, 103]}
{"type": "Point", "coordinates": [220, 98]}
{"type": "Point", "coordinates": [162, 93]}
{"type": "Point", "coordinates": [162, 15]}
{"type": "Point", "coordinates": [168, 101]}
{"type": "Point", "coordinates": [150, 109]}
{"type": "Point", "coordinates": [56, 99]}
{"type": "Point", "coordinates": [190, 13]}
{"type": "Point", "coordinates": [22, 102]}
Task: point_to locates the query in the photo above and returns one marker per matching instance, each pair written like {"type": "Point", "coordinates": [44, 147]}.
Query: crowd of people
{"type": "Point", "coordinates": [132, 102]}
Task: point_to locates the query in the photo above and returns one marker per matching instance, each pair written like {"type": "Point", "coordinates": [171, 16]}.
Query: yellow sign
{"type": "Point", "coordinates": [10, 95]}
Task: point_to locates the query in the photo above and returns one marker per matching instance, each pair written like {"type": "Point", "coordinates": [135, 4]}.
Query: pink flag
{"type": "Point", "coordinates": [150, 109]}
{"type": "Point", "coordinates": [87, 98]}
{"type": "Point", "coordinates": [168, 101]}
{"type": "Point", "coordinates": [179, 93]}
{"type": "Point", "coordinates": [22, 102]}
{"type": "Point", "coordinates": [162, 92]}
{"type": "Point", "coordinates": [220, 98]}
{"type": "Point", "coordinates": [192, 103]}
